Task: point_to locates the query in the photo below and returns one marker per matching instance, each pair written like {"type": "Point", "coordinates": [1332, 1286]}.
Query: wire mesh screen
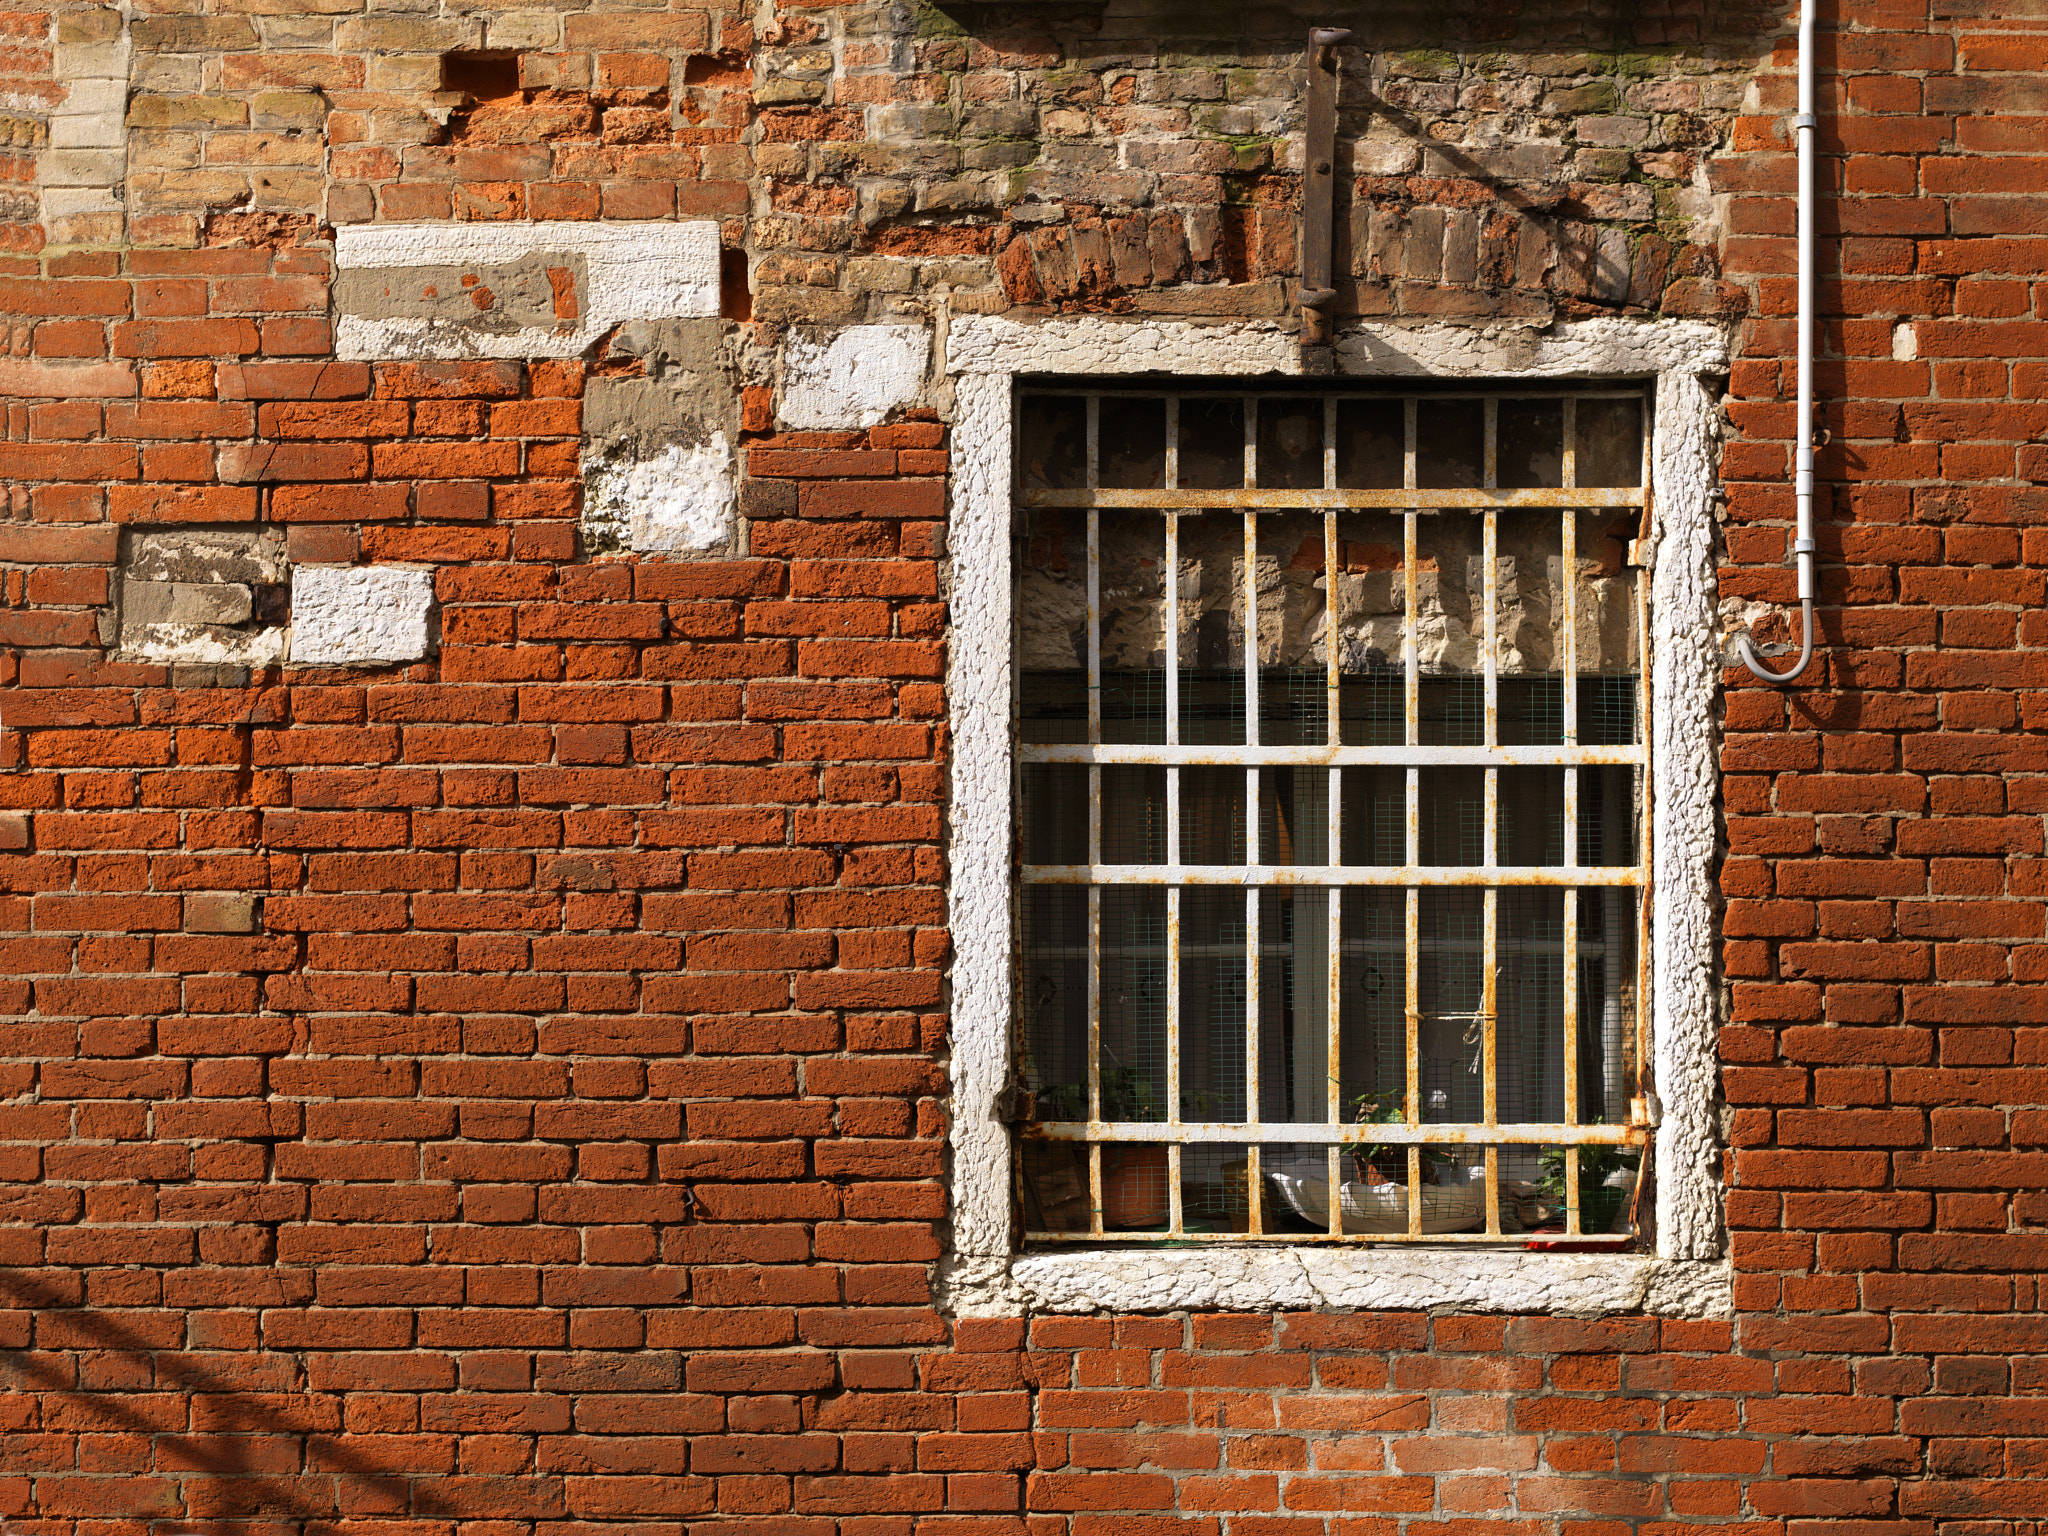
{"type": "Point", "coordinates": [1332, 815]}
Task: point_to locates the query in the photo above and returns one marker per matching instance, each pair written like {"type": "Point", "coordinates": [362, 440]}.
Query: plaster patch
{"type": "Point", "coordinates": [654, 271]}
{"type": "Point", "coordinates": [361, 615]}
{"type": "Point", "coordinates": [854, 380]}
{"type": "Point", "coordinates": [981, 1275]}
{"type": "Point", "coordinates": [680, 501]}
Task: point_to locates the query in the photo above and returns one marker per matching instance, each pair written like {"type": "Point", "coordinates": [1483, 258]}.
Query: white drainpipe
{"type": "Point", "coordinates": [1804, 125]}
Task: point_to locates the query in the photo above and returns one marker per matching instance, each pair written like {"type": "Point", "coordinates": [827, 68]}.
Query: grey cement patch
{"type": "Point", "coordinates": [544, 290]}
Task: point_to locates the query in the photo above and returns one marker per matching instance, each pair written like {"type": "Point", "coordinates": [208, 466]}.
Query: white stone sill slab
{"type": "Point", "coordinates": [1274, 1279]}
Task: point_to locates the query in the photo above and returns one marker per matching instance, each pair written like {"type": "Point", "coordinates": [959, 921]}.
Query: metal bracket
{"type": "Point", "coordinates": [1318, 199]}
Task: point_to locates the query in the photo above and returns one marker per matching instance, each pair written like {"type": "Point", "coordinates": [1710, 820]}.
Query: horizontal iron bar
{"type": "Point", "coordinates": [1346, 1134]}
{"type": "Point", "coordinates": [1292, 501]}
{"type": "Point", "coordinates": [1508, 1240]}
{"type": "Point", "coordinates": [1557, 392]}
{"type": "Point", "coordinates": [1474, 875]}
{"type": "Point", "coordinates": [1333, 757]}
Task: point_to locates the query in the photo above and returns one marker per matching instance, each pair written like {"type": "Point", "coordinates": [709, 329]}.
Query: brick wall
{"type": "Point", "coordinates": [504, 1094]}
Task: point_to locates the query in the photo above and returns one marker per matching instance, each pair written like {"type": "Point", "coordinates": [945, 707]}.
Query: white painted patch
{"type": "Point", "coordinates": [854, 380]}
{"type": "Point", "coordinates": [359, 615]}
{"type": "Point", "coordinates": [683, 501]}
{"type": "Point", "coordinates": [201, 645]}
{"type": "Point", "coordinates": [981, 1275]}
{"type": "Point", "coordinates": [654, 271]}
{"type": "Point", "coordinates": [1905, 342]}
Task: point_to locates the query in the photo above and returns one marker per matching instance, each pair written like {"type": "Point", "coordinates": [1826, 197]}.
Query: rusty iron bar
{"type": "Point", "coordinates": [1139, 1239]}
{"type": "Point", "coordinates": [1365, 500]}
{"type": "Point", "coordinates": [1318, 199]}
{"type": "Point", "coordinates": [1470, 876]}
{"type": "Point", "coordinates": [1331, 757]}
{"type": "Point", "coordinates": [1343, 1133]}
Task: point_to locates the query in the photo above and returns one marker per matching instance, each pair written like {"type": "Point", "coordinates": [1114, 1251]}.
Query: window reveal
{"type": "Point", "coordinates": [1354, 906]}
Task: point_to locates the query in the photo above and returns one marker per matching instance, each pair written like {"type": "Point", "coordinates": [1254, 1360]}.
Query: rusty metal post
{"type": "Point", "coordinates": [1318, 200]}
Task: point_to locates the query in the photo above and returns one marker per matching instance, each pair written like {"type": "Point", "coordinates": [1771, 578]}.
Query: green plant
{"type": "Point", "coordinates": [1597, 1160]}
{"type": "Point", "coordinates": [1384, 1106]}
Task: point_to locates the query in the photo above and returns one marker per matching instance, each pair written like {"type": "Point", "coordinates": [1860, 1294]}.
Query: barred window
{"type": "Point", "coordinates": [1333, 813]}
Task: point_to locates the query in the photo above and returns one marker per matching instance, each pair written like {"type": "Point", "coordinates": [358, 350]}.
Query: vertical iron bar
{"type": "Point", "coordinates": [1254, 853]}
{"type": "Point", "coordinates": [1176, 1187]}
{"type": "Point", "coordinates": [1333, 831]}
{"type": "Point", "coordinates": [1569, 561]}
{"type": "Point", "coordinates": [1411, 651]}
{"type": "Point", "coordinates": [1095, 1003]}
{"type": "Point", "coordinates": [1572, 1207]}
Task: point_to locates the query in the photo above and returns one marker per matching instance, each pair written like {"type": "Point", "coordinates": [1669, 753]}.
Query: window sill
{"type": "Point", "coordinates": [1383, 1279]}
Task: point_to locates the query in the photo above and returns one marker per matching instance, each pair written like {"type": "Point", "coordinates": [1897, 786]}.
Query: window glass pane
{"type": "Point", "coordinates": [1607, 632]}
{"type": "Point", "coordinates": [1135, 1194]}
{"type": "Point", "coordinates": [1450, 444]}
{"type": "Point", "coordinates": [1133, 1035]}
{"type": "Point", "coordinates": [1052, 998]}
{"type": "Point", "coordinates": [1530, 816]}
{"type": "Point", "coordinates": [1453, 815]}
{"type": "Point", "coordinates": [1529, 443]}
{"type": "Point", "coordinates": [1609, 442]}
{"type": "Point", "coordinates": [1052, 626]}
{"type": "Point", "coordinates": [1450, 591]}
{"type": "Point", "coordinates": [1375, 829]}
{"type": "Point", "coordinates": [1371, 608]}
{"type": "Point", "coordinates": [1290, 444]}
{"type": "Point", "coordinates": [1211, 579]}
{"type": "Point", "coordinates": [1294, 815]}
{"type": "Point", "coordinates": [1609, 812]}
{"type": "Point", "coordinates": [1133, 815]}
{"type": "Point", "coordinates": [1212, 1002]}
{"type": "Point", "coordinates": [1294, 986]}
{"type": "Point", "coordinates": [1052, 442]}
{"type": "Point", "coordinates": [1529, 620]}
{"type": "Point", "coordinates": [1133, 596]}
{"type": "Point", "coordinates": [1130, 443]}
{"type": "Point", "coordinates": [1055, 813]}
{"type": "Point", "coordinates": [1608, 1065]}
{"type": "Point", "coordinates": [1293, 641]}
{"type": "Point", "coordinates": [1450, 973]}
{"type": "Point", "coordinates": [1054, 1185]}
{"type": "Point", "coordinates": [1211, 443]}
{"type": "Point", "coordinates": [1215, 1196]}
{"type": "Point", "coordinates": [1371, 444]}
{"type": "Point", "coordinates": [1373, 1002]}
{"type": "Point", "coordinates": [1212, 829]}
{"type": "Point", "coordinates": [1529, 995]}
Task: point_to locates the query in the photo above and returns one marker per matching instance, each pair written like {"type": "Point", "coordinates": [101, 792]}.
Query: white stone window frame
{"type": "Point", "coordinates": [981, 1273]}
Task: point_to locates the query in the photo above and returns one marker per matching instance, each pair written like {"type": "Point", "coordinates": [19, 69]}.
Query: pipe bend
{"type": "Point", "coordinates": [1749, 656]}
